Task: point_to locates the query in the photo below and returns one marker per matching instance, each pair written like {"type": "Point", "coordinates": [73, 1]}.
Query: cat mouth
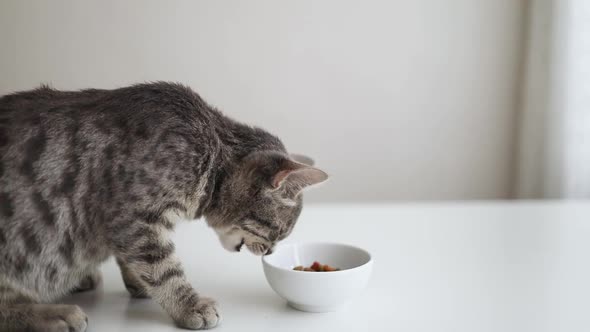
{"type": "Point", "coordinates": [258, 249]}
{"type": "Point", "coordinates": [240, 245]}
{"type": "Point", "coordinates": [234, 241]}
{"type": "Point", "coordinates": [269, 251]}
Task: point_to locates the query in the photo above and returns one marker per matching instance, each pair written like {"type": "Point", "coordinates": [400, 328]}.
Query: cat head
{"type": "Point", "coordinates": [260, 200]}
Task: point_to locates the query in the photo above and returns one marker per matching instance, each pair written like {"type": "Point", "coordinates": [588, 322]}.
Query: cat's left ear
{"type": "Point", "coordinates": [296, 176]}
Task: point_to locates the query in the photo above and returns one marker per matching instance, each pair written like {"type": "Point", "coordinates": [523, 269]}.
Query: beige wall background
{"type": "Point", "coordinates": [397, 100]}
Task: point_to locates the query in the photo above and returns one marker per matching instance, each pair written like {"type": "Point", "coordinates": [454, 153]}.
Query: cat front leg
{"type": "Point", "coordinates": [134, 286]}
{"type": "Point", "coordinates": [148, 257]}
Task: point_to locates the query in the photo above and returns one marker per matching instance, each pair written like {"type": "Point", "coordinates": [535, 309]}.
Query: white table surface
{"type": "Point", "coordinates": [438, 267]}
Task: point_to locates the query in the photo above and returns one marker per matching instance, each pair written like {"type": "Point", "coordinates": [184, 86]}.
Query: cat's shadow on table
{"type": "Point", "coordinates": [120, 304]}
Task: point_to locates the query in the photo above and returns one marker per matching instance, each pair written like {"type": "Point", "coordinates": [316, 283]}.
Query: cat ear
{"type": "Point", "coordinates": [302, 159]}
{"type": "Point", "coordinates": [283, 172]}
{"type": "Point", "coordinates": [296, 176]}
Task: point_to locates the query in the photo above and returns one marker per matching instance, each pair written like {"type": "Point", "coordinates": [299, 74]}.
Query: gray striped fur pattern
{"type": "Point", "coordinates": [91, 174]}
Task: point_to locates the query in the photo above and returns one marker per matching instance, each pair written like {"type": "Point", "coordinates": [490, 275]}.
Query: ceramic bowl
{"type": "Point", "coordinates": [318, 291]}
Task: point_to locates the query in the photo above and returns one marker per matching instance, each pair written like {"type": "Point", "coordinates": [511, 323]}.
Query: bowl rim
{"type": "Point", "coordinates": [368, 262]}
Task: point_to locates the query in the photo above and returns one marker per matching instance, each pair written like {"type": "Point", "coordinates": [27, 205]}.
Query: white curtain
{"type": "Point", "coordinates": [554, 149]}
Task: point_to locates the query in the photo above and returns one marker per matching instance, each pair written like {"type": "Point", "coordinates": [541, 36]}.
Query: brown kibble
{"type": "Point", "coordinates": [316, 267]}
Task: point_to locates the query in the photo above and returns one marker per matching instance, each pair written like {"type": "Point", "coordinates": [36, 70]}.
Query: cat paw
{"type": "Point", "coordinates": [89, 282]}
{"type": "Point", "coordinates": [204, 315]}
{"type": "Point", "coordinates": [59, 318]}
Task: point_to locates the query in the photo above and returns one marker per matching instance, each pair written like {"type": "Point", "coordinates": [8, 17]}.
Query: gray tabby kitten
{"type": "Point", "coordinates": [97, 173]}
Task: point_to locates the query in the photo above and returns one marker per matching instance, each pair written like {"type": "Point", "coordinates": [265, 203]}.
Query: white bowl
{"type": "Point", "coordinates": [317, 291]}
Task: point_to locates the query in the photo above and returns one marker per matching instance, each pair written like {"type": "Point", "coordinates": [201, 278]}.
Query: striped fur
{"type": "Point", "coordinates": [92, 174]}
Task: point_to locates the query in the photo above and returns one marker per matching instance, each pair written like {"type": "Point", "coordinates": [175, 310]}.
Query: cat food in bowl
{"type": "Point", "coordinates": [316, 267]}
{"type": "Point", "coordinates": [317, 292]}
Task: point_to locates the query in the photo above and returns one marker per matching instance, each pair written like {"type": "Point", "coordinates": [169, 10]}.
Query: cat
{"type": "Point", "coordinates": [91, 174]}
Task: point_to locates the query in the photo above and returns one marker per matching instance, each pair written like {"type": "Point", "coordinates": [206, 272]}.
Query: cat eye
{"type": "Point", "coordinates": [262, 222]}
{"type": "Point", "coordinates": [254, 232]}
